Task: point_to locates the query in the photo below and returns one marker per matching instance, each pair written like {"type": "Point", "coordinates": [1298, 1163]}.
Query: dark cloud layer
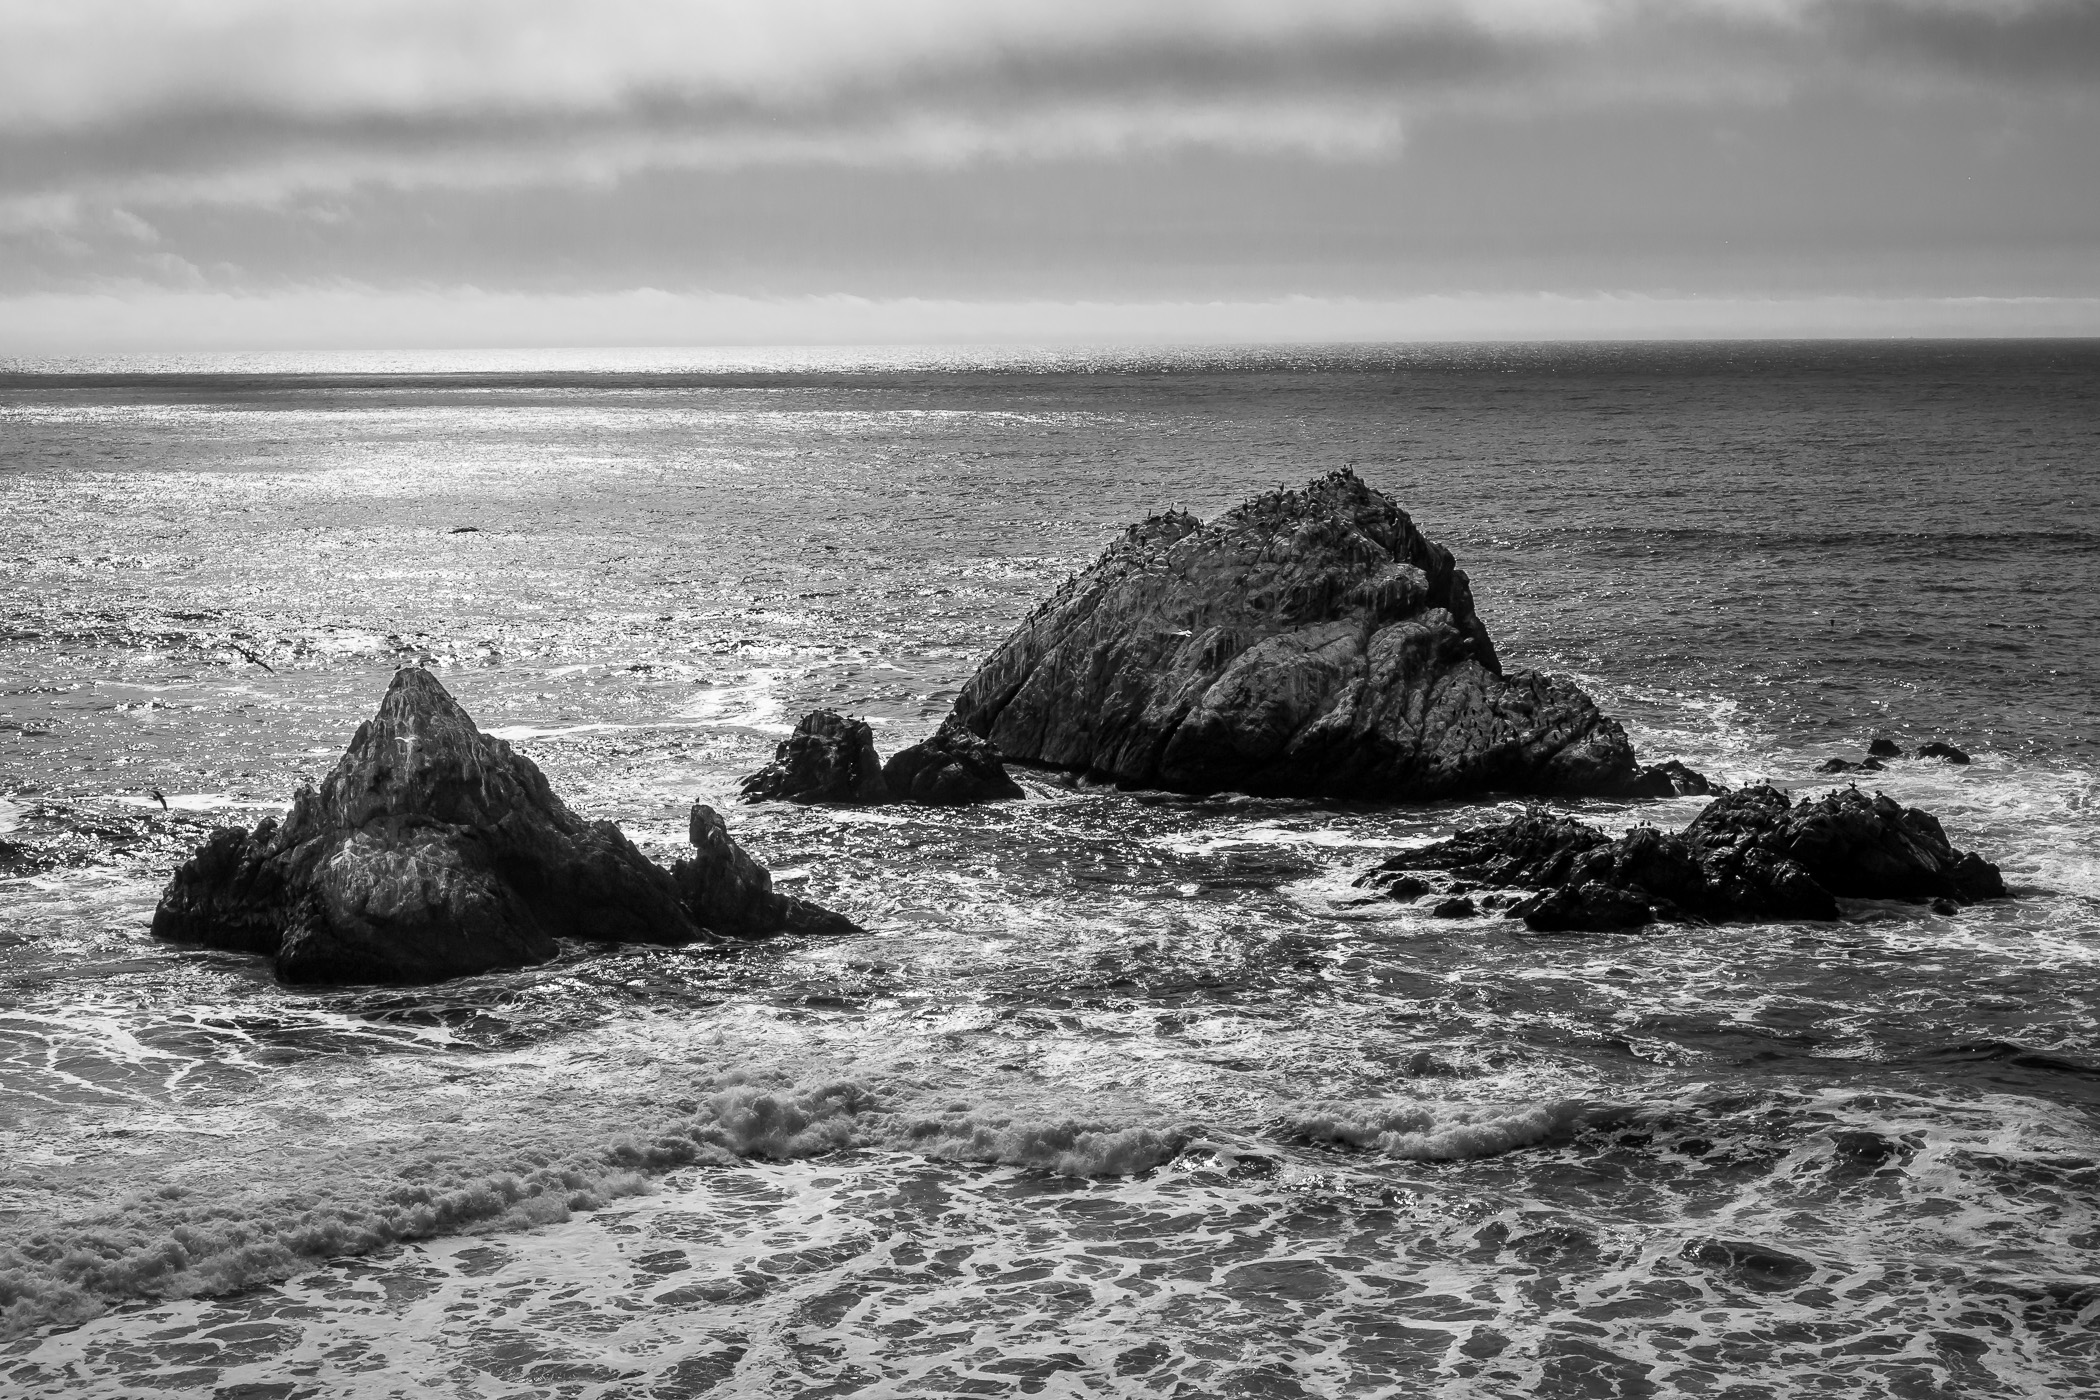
{"type": "Point", "coordinates": [1081, 148]}
{"type": "Point", "coordinates": [1331, 81]}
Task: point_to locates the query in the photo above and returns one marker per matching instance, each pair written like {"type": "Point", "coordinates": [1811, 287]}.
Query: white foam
{"type": "Point", "coordinates": [751, 701]}
{"type": "Point", "coordinates": [1434, 1132]}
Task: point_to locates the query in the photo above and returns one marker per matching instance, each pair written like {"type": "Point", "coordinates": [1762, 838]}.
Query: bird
{"type": "Point", "coordinates": [160, 797]}
{"type": "Point", "coordinates": [253, 657]}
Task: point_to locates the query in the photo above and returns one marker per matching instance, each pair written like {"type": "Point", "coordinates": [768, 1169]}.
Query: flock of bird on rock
{"type": "Point", "coordinates": [1310, 643]}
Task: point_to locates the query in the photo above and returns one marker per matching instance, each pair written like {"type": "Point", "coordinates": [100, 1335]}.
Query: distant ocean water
{"type": "Point", "coordinates": [1121, 1095]}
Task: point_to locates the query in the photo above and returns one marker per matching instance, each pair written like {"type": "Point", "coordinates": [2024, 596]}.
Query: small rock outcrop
{"type": "Point", "coordinates": [1308, 643]}
{"type": "Point", "coordinates": [828, 758]}
{"type": "Point", "coordinates": [1884, 747]}
{"type": "Point", "coordinates": [1671, 779]}
{"type": "Point", "coordinates": [728, 892]}
{"type": "Point", "coordinates": [1751, 855]}
{"type": "Point", "coordinates": [953, 768]}
{"type": "Point", "coordinates": [1941, 749]}
{"type": "Point", "coordinates": [431, 851]}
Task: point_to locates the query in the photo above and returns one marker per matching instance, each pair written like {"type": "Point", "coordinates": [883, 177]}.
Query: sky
{"type": "Point", "coordinates": [180, 174]}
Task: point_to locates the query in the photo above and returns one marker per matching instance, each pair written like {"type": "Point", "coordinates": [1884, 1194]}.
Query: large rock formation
{"type": "Point", "coordinates": [1309, 643]}
{"type": "Point", "coordinates": [431, 851]}
{"type": "Point", "coordinates": [1753, 854]}
{"type": "Point", "coordinates": [950, 769]}
{"type": "Point", "coordinates": [828, 758]}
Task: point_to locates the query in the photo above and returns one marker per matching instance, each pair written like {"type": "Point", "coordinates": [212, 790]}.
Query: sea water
{"type": "Point", "coordinates": [1121, 1093]}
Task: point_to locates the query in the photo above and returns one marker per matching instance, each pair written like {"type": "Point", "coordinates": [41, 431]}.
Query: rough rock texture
{"type": "Point", "coordinates": [1307, 643]}
{"type": "Point", "coordinates": [1884, 747]}
{"type": "Point", "coordinates": [431, 851]}
{"type": "Point", "coordinates": [828, 758]}
{"type": "Point", "coordinates": [727, 891]}
{"type": "Point", "coordinates": [1752, 854]}
{"type": "Point", "coordinates": [951, 768]}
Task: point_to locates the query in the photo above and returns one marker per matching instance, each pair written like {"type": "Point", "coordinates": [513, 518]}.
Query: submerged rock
{"type": "Point", "coordinates": [828, 758]}
{"type": "Point", "coordinates": [730, 893]}
{"type": "Point", "coordinates": [1753, 854]}
{"type": "Point", "coordinates": [431, 851]}
{"type": "Point", "coordinates": [1307, 643]}
{"type": "Point", "coordinates": [951, 768]}
{"type": "Point", "coordinates": [1944, 750]}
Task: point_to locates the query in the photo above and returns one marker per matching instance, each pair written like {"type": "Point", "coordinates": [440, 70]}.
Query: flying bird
{"type": "Point", "coordinates": [253, 657]}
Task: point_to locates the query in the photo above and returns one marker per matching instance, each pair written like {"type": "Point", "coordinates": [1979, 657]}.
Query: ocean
{"type": "Point", "coordinates": [1121, 1093]}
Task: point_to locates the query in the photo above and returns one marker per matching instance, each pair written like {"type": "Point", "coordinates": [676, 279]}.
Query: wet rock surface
{"type": "Point", "coordinates": [952, 768]}
{"type": "Point", "coordinates": [829, 758]}
{"type": "Point", "coordinates": [431, 851]}
{"type": "Point", "coordinates": [1751, 855]}
{"type": "Point", "coordinates": [1308, 643]}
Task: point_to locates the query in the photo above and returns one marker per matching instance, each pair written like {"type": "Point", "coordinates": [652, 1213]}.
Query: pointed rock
{"type": "Point", "coordinates": [1308, 643]}
{"type": "Point", "coordinates": [828, 758]}
{"type": "Point", "coordinates": [732, 894]}
{"type": "Point", "coordinates": [952, 768]}
{"type": "Point", "coordinates": [431, 851]}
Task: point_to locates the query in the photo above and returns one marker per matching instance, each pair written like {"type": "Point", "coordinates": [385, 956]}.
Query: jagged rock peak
{"type": "Point", "coordinates": [1309, 642]}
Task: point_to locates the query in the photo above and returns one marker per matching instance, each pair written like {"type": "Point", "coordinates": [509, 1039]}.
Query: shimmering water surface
{"type": "Point", "coordinates": [1120, 1094]}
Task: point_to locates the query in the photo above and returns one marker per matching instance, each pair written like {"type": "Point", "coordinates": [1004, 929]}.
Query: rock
{"type": "Point", "coordinates": [434, 851]}
{"type": "Point", "coordinates": [1944, 906]}
{"type": "Point", "coordinates": [952, 768]}
{"type": "Point", "coordinates": [1862, 847]}
{"type": "Point", "coordinates": [828, 758]}
{"type": "Point", "coordinates": [1884, 748]}
{"type": "Point", "coordinates": [1940, 749]}
{"type": "Point", "coordinates": [1533, 850]}
{"type": "Point", "coordinates": [431, 851]}
{"type": "Point", "coordinates": [1671, 779]}
{"type": "Point", "coordinates": [1838, 765]}
{"type": "Point", "coordinates": [1585, 908]}
{"type": "Point", "coordinates": [1458, 907]}
{"type": "Point", "coordinates": [728, 892]}
{"type": "Point", "coordinates": [1752, 854]}
{"type": "Point", "coordinates": [1308, 643]}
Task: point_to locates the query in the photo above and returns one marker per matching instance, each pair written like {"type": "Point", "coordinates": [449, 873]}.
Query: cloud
{"type": "Point", "coordinates": [107, 103]}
